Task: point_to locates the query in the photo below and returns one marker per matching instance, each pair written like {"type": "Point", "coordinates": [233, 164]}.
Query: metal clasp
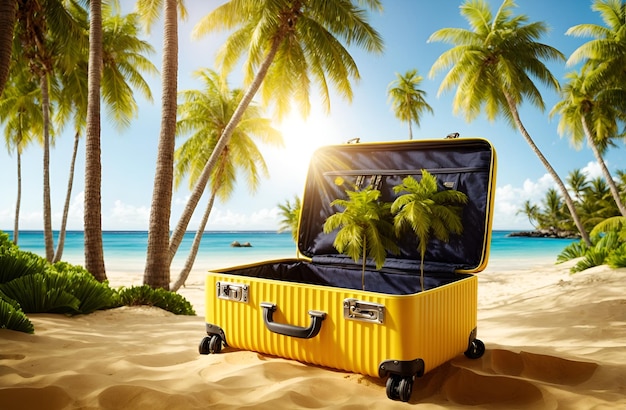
{"type": "Point", "coordinates": [237, 292]}
{"type": "Point", "coordinates": [355, 309]}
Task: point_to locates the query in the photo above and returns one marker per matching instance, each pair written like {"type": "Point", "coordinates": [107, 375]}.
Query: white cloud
{"type": "Point", "coordinates": [510, 199]}
{"type": "Point", "coordinates": [592, 170]}
{"type": "Point", "coordinates": [262, 219]}
{"type": "Point", "coordinates": [127, 217]}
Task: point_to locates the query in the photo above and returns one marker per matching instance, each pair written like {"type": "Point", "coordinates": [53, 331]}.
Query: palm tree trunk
{"type": "Point", "coordinates": [157, 270]}
{"type": "Point", "coordinates": [223, 141]}
{"type": "Point", "coordinates": [47, 208]}
{"type": "Point", "coordinates": [94, 253]}
{"type": "Point", "coordinates": [605, 170]}
{"type": "Point", "coordinates": [551, 171]}
{"type": "Point", "coordinates": [16, 223]}
{"type": "Point", "coordinates": [184, 274]}
{"type": "Point", "coordinates": [410, 131]}
{"type": "Point", "coordinates": [8, 14]}
{"type": "Point", "coordinates": [66, 208]}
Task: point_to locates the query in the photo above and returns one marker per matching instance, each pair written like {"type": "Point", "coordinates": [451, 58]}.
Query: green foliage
{"type": "Point", "coordinates": [93, 295]}
{"type": "Point", "coordinates": [15, 264]}
{"type": "Point", "coordinates": [365, 227]}
{"type": "Point", "coordinates": [608, 248]}
{"type": "Point", "coordinates": [29, 284]}
{"type": "Point", "coordinates": [5, 242]}
{"type": "Point", "coordinates": [145, 295]}
{"type": "Point", "coordinates": [593, 257]}
{"type": "Point", "coordinates": [39, 293]}
{"type": "Point", "coordinates": [290, 214]}
{"type": "Point", "coordinates": [617, 259]}
{"type": "Point", "coordinates": [407, 100]}
{"type": "Point", "coordinates": [572, 251]}
{"type": "Point", "coordinates": [427, 211]}
{"type": "Point", "coordinates": [593, 201]}
{"type": "Point", "coordinates": [369, 227]}
{"type": "Point", "coordinates": [13, 318]}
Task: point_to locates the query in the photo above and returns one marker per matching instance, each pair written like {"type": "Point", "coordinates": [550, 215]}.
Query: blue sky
{"type": "Point", "coordinates": [128, 157]}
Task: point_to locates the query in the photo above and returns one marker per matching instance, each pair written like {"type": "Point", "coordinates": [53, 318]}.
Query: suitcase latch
{"type": "Point", "coordinates": [237, 292]}
{"type": "Point", "coordinates": [355, 309]}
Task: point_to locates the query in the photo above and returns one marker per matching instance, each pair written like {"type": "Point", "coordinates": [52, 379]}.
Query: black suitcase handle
{"type": "Point", "coordinates": [290, 330]}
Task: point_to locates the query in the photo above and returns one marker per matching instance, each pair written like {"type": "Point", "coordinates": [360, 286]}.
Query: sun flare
{"type": "Point", "coordinates": [302, 137]}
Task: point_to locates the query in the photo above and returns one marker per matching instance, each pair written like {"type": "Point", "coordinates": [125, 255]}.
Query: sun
{"type": "Point", "coordinates": [302, 137]}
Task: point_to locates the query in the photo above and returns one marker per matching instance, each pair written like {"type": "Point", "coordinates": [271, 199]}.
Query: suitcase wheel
{"type": "Point", "coordinates": [476, 349]}
{"type": "Point", "coordinates": [210, 344]}
{"type": "Point", "coordinates": [399, 387]}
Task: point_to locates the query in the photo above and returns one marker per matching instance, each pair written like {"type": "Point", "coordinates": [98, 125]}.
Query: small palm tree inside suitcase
{"type": "Point", "coordinates": [369, 227]}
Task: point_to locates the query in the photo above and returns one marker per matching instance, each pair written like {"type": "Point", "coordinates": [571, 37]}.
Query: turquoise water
{"type": "Point", "coordinates": [126, 250]}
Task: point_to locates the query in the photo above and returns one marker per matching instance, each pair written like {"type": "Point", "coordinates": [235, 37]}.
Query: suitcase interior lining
{"type": "Point", "coordinates": [466, 170]}
{"type": "Point", "coordinates": [348, 277]}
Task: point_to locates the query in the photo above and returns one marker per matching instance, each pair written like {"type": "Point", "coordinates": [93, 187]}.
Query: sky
{"type": "Point", "coordinates": [128, 156]}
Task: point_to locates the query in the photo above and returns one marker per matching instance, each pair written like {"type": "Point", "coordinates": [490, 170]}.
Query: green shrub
{"type": "Point", "coordinates": [572, 251]}
{"type": "Point", "coordinates": [14, 319]}
{"type": "Point", "coordinates": [41, 293]}
{"type": "Point", "coordinates": [145, 295]}
{"type": "Point", "coordinates": [5, 242]}
{"type": "Point", "coordinates": [15, 264]}
{"type": "Point", "coordinates": [93, 295]}
{"type": "Point", "coordinates": [594, 257]}
{"type": "Point", "coordinates": [617, 259]}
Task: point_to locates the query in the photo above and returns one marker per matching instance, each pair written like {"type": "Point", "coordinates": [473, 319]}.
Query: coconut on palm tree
{"type": "Point", "coordinates": [365, 228]}
{"type": "Point", "coordinates": [407, 100]}
{"type": "Point", "coordinates": [427, 211]}
{"type": "Point", "coordinates": [303, 43]}
{"type": "Point", "coordinates": [204, 114]}
{"type": "Point", "coordinates": [492, 67]}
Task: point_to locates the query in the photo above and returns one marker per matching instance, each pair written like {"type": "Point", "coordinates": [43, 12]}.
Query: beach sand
{"type": "Point", "coordinates": [554, 340]}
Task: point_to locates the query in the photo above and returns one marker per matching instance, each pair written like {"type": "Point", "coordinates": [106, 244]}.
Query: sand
{"type": "Point", "coordinates": [554, 340]}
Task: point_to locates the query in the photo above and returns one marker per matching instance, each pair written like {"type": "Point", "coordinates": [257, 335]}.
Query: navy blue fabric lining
{"type": "Point", "coordinates": [348, 277]}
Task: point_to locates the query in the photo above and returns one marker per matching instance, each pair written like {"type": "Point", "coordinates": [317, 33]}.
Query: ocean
{"type": "Point", "coordinates": [126, 250]}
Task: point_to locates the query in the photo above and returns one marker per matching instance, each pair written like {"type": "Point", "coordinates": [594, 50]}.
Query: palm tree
{"type": "Point", "coordinates": [408, 101]}
{"type": "Point", "coordinates": [43, 30]}
{"type": "Point", "coordinates": [426, 210]}
{"type": "Point", "coordinates": [289, 45]}
{"type": "Point", "coordinates": [7, 23]}
{"type": "Point", "coordinates": [365, 228]}
{"type": "Point", "coordinates": [592, 115]}
{"type": "Point", "coordinates": [553, 216]}
{"type": "Point", "coordinates": [205, 114]}
{"type": "Point", "coordinates": [578, 182]}
{"type": "Point", "coordinates": [491, 66]}
{"type": "Point", "coordinates": [531, 211]}
{"type": "Point", "coordinates": [606, 53]}
{"type": "Point", "coordinates": [23, 124]}
{"type": "Point", "coordinates": [94, 252]}
{"type": "Point", "coordinates": [123, 62]}
{"type": "Point", "coordinates": [157, 270]}
{"type": "Point", "coordinates": [290, 213]}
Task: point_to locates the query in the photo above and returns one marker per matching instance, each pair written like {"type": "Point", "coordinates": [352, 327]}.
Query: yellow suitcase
{"type": "Point", "coordinates": [312, 308]}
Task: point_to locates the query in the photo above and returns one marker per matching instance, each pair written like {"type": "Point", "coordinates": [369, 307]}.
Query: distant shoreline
{"type": "Point", "coordinates": [512, 232]}
{"type": "Point", "coordinates": [545, 233]}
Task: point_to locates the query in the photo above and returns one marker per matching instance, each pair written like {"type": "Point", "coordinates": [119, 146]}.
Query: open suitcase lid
{"type": "Point", "coordinates": [467, 165]}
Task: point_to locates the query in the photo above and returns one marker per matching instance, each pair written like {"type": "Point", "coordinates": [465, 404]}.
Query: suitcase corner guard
{"type": "Point", "coordinates": [291, 330]}
{"type": "Point", "coordinates": [413, 367]}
